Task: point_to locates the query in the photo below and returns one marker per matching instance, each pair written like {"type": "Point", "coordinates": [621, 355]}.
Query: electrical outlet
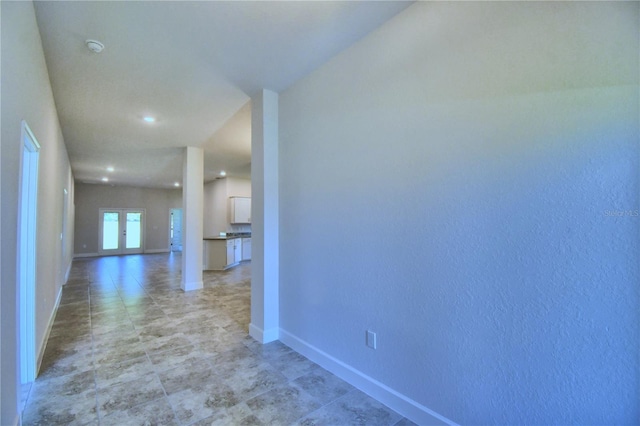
{"type": "Point", "coordinates": [371, 339]}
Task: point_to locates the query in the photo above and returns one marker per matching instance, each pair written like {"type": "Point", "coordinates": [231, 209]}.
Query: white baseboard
{"type": "Point", "coordinates": [66, 274]}
{"type": "Point", "coordinates": [194, 285]}
{"type": "Point", "coordinates": [263, 336]}
{"type": "Point", "coordinates": [409, 408]}
{"type": "Point", "coordinates": [151, 251]}
{"type": "Point", "coordinates": [77, 255]}
{"type": "Point", "coordinates": [45, 339]}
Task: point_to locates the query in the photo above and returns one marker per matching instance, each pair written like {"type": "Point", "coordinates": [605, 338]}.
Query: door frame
{"type": "Point", "coordinates": [121, 246]}
{"type": "Point", "coordinates": [27, 252]}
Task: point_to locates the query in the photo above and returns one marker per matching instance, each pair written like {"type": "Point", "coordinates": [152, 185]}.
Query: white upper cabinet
{"type": "Point", "coordinates": [239, 210]}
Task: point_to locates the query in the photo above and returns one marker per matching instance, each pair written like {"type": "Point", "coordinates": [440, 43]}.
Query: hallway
{"type": "Point", "coordinates": [129, 347]}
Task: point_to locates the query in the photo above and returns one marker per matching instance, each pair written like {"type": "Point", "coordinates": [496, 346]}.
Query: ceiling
{"type": "Point", "coordinates": [193, 66]}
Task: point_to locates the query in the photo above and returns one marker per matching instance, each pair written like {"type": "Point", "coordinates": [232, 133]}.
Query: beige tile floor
{"type": "Point", "coordinates": [128, 347]}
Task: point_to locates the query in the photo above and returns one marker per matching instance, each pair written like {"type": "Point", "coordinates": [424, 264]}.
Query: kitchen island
{"type": "Point", "coordinates": [226, 251]}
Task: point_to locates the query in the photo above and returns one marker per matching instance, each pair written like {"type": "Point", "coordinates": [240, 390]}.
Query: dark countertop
{"type": "Point", "coordinates": [229, 237]}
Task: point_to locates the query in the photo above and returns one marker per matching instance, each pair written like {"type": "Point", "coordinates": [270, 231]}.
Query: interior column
{"type": "Point", "coordinates": [192, 217]}
{"type": "Point", "coordinates": [264, 325]}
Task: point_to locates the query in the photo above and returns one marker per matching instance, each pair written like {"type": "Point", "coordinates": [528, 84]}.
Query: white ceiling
{"type": "Point", "coordinates": [191, 65]}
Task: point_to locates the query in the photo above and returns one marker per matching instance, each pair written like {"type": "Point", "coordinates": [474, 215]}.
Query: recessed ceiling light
{"type": "Point", "coordinates": [176, 184]}
{"type": "Point", "coordinates": [105, 179]}
{"type": "Point", "coordinates": [223, 173]}
{"type": "Point", "coordinates": [110, 169]}
{"type": "Point", "coordinates": [149, 119]}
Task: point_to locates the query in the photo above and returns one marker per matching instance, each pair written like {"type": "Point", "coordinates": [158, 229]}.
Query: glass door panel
{"type": "Point", "coordinates": [175, 231]}
{"type": "Point", "coordinates": [110, 230]}
{"type": "Point", "coordinates": [133, 237]}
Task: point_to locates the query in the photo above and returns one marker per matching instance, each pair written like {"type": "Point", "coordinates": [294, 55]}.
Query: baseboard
{"type": "Point", "coordinates": [409, 408]}
{"type": "Point", "coordinates": [194, 285]}
{"type": "Point", "coordinates": [43, 343]}
{"type": "Point", "coordinates": [77, 255]}
{"type": "Point", "coordinates": [263, 336]}
{"type": "Point", "coordinates": [66, 274]}
{"type": "Point", "coordinates": [152, 251]}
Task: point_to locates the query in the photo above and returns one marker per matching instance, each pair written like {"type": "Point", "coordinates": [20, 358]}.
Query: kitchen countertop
{"type": "Point", "coordinates": [228, 237]}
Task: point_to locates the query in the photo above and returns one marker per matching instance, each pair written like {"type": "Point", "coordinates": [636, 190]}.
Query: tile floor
{"type": "Point", "coordinates": [128, 347]}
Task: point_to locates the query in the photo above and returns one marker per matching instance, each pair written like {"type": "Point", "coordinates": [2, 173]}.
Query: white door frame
{"type": "Point", "coordinates": [26, 258]}
{"type": "Point", "coordinates": [121, 237]}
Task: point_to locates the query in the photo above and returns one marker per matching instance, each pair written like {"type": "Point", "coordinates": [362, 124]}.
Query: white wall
{"type": "Point", "coordinates": [215, 207]}
{"type": "Point", "coordinates": [156, 202]}
{"type": "Point", "coordinates": [216, 204]}
{"type": "Point", "coordinates": [237, 187]}
{"type": "Point", "coordinates": [26, 94]}
{"type": "Point", "coordinates": [452, 182]}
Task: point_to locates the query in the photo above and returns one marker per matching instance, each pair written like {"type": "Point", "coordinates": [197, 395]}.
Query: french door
{"type": "Point", "coordinates": [121, 231]}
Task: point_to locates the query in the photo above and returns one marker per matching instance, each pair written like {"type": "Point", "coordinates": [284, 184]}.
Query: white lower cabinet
{"type": "Point", "coordinates": [237, 250]}
{"type": "Point", "coordinates": [234, 251]}
{"type": "Point", "coordinates": [246, 249]}
{"type": "Point", "coordinates": [230, 252]}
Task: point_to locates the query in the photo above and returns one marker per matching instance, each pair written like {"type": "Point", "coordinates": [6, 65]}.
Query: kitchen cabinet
{"type": "Point", "coordinates": [239, 210]}
{"type": "Point", "coordinates": [234, 251]}
{"type": "Point", "coordinates": [246, 249]}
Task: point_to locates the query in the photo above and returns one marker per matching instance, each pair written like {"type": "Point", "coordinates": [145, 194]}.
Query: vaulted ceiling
{"type": "Point", "coordinates": [192, 66]}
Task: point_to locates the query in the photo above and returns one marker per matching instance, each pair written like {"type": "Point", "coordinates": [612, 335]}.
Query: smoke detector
{"type": "Point", "coordinates": [94, 45]}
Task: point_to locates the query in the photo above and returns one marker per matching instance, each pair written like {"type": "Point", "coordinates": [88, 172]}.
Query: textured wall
{"type": "Point", "coordinates": [156, 202]}
{"type": "Point", "coordinates": [464, 181]}
{"type": "Point", "coordinates": [26, 95]}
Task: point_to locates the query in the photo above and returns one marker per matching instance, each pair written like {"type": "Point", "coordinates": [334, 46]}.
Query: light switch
{"type": "Point", "coordinates": [371, 339]}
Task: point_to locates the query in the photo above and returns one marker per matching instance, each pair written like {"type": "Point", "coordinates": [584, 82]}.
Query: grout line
{"type": "Point", "coordinates": [164, 390]}
{"type": "Point", "coordinates": [232, 311]}
{"type": "Point", "coordinates": [95, 372]}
